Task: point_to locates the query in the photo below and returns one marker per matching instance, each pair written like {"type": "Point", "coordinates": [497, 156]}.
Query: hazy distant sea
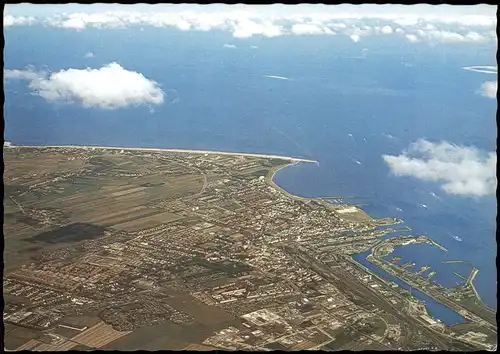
{"type": "Point", "coordinates": [218, 98]}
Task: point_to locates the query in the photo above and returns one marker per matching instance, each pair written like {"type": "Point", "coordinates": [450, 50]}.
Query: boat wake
{"type": "Point", "coordinates": [454, 236]}
{"type": "Point", "coordinates": [487, 69]}
{"type": "Point", "coordinates": [276, 77]}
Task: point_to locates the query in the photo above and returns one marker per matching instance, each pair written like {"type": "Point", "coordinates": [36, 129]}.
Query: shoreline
{"type": "Point", "coordinates": [211, 152]}
{"type": "Point", "coordinates": [269, 178]}
{"type": "Point", "coordinates": [272, 183]}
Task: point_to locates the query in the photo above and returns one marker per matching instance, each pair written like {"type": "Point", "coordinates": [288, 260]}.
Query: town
{"type": "Point", "coordinates": [135, 249]}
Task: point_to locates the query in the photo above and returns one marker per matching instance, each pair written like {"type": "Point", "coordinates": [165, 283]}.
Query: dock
{"type": "Point", "coordinates": [460, 276]}
{"type": "Point", "coordinates": [472, 275]}
{"type": "Point", "coordinates": [422, 269]}
{"type": "Point", "coordinates": [457, 261]}
{"type": "Point", "coordinates": [441, 247]}
{"type": "Point", "coordinates": [408, 265]}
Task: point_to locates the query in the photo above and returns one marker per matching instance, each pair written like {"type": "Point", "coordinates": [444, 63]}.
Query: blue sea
{"type": "Point", "coordinates": [339, 106]}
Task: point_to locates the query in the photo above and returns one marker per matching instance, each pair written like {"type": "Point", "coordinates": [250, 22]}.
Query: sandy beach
{"type": "Point", "coordinates": [292, 159]}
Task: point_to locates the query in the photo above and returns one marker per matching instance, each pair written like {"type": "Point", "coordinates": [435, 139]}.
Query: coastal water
{"type": "Point", "coordinates": [434, 308]}
{"type": "Point", "coordinates": [338, 108]}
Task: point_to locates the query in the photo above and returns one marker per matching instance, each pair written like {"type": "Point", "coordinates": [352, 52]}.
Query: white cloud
{"type": "Point", "coordinates": [412, 38]}
{"type": "Point", "coordinates": [245, 21]}
{"type": "Point", "coordinates": [446, 36]}
{"type": "Point", "coordinates": [451, 37]}
{"type": "Point", "coordinates": [230, 46]}
{"type": "Point", "coordinates": [28, 74]}
{"type": "Point", "coordinates": [9, 20]}
{"type": "Point", "coordinates": [470, 20]}
{"type": "Point", "coordinates": [461, 170]}
{"type": "Point", "coordinates": [493, 35]}
{"type": "Point", "coordinates": [412, 20]}
{"type": "Point", "coordinates": [475, 37]}
{"type": "Point", "coordinates": [89, 55]}
{"type": "Point", "coordinates": [356, 33]}
{"type": "Point", "coordinates": [338, 25]}
{"type": "Point", "coordinates": [386, 30]}
{"type": "Point", "coordinates": [109, 87]}
{"type": "Point", "coordinates": [310, 29]}
{"type": "Point", "coordinates": [248, 28]}
{"type": "Point", "coordinates": [489, 89]}
{"type": "Point", "coordinates": [80, 21]}
{"type": "Point", "coordinates": [406, 22]}
{"type": "Point", "coordinates": [355, 38]}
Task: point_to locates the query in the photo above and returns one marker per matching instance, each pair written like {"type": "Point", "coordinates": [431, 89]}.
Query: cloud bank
{"type": "Point", "coordinates": [109, 87]}
{"type": "Point", "coordinates": [461, 170]}
{"type": "Point", "coordinates": [416, 23]}
{"type": "Point", "coordinates": [9, 20]}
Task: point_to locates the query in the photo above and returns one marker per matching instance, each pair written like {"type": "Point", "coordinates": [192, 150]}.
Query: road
{"type": "Point", "coordinates": [19, 205]}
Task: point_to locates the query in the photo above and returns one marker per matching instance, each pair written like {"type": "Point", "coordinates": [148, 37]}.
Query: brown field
{"type": "Point", "coordinates": [98, 335]}
{"type": "Point", "coordinates": [159, 336]}
{"type": "Point", "coordinates": [198, 347]}
{"type": "Point", "coordinates": [19, 165]}
{"type": "Point", "coordinates": [303, 345]}
{"type": "Point", "coordinates": [52, 347]}
{"type": "Point", "coordinates": [101, 219]}
{"type": "Point", "coordinates": [80, 322]}
{"type": "Point", "coordinates": [66, 332]}
{"type": "Point", "coordinates": [149, 221]}
{"type": "Point", "coordinates": [29, 345]}
{"type": "Point", "coordinates": [112, 201]}
{"type": "Point", "coordinates": [23, 333]}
